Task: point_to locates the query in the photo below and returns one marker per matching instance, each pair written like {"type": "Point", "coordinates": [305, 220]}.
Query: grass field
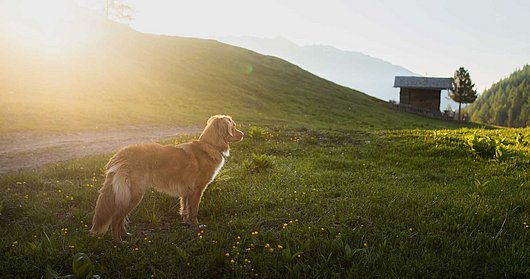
{"type": "Point", "coordinates": [297, 203]}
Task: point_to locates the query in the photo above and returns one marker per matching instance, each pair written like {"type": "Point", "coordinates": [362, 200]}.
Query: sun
{"type": "Point", "coordinates": [44, 23]}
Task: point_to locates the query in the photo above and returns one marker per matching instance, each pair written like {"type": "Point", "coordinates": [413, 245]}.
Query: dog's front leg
{"type": "Point", "coordinates": [184, 209]}
{"type": "Point", "coordinates": [193, 205]}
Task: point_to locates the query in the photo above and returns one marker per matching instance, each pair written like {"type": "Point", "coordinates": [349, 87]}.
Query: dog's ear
{"type": "Point", "coordinates": [229, 126]}
{"type": "Point", "coordinates": [212, 118]}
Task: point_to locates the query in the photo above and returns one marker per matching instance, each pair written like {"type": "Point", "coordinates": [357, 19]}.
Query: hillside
{"type": "Point", "coordinates": [505, 103]}
{"type": "Point", "coordinates": [356, 70]}
{"type": "Point", "coordinates": [89, 73]}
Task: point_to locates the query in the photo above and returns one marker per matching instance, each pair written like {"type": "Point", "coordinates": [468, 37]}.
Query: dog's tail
{"type": "Point", "coordinates": [114, 196]}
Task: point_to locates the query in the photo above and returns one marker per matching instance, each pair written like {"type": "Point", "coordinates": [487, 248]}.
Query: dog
{"type": "Point", "coordinates": [183, 170]}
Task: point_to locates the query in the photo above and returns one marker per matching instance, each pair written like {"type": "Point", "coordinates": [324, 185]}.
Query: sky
{"type": "Point", "coordinates": [489, 38]}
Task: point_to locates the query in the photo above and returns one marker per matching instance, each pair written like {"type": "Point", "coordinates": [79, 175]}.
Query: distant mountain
{"type": "Point", "coordinates": [505, 103]}
{"type": "Point", "coordinates": [356, 70]}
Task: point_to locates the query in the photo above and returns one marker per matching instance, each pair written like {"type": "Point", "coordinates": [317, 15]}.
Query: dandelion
{"type": "Point", "coordinates": [271, 249]}
{"type": "Point", "coordinates": [232, 261]}
{"type": "Point", "coordinates": [280, 247]}
{"type": "Point", "coordinates": [71, 246]}
{"type": "Point", "coordinates": [238, 237]}
{"type": "Point", "coordinates": [285, 226]}
{"type": "Point", "coordinates": [136, 249]}
{"type": "Point", "coordinates": [15, 243]}
{"type": "Point", "coordinates": [227, 254]}
{"type": "Point", "coordinates": [365, 245]}
{"type": "Point", "coordinates": [255, 233]}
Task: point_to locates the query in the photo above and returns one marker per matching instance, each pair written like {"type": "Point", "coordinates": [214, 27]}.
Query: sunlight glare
{"type": "Point", "coordinates": [41, 23]}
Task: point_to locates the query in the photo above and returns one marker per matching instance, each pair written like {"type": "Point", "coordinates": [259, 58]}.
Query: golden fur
{"type": "Point", "coordinates": [183, 170]}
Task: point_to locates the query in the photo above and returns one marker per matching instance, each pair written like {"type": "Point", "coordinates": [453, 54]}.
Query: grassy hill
{"type": "Point", "coordinates": [505, 103]}
{"type": "Point", "coordinates": [101, 74]}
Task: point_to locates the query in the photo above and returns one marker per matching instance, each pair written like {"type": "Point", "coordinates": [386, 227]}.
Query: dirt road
{"type": "Point", "coordinates": [27, 150]}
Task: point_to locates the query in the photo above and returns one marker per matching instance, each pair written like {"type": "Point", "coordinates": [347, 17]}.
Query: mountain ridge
{"type": "Point", "coordinates": [356, 70]}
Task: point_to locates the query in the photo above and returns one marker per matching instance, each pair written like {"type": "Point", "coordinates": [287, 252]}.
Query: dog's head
{"type": "Point", "coordinates": [220, 131]}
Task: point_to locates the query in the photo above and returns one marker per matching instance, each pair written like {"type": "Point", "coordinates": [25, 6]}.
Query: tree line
{"type": "Point", "coordinates": [505, 103]}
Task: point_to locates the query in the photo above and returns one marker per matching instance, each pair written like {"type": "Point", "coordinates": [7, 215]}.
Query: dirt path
{"type": "Point", "coordinates": [27, 150]}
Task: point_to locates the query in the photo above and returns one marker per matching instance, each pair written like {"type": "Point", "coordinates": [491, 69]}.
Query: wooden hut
{"type": "Point", "coordinates": [422, 94]}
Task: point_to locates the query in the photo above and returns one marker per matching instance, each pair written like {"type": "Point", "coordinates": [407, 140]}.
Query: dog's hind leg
{"type": "Point", "coordinates": [119, 220]}
{"type": "Point", "coordinates": [135, 195]}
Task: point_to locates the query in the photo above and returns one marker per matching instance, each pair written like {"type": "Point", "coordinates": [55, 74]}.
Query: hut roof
{"type": "Point", "coordinates": [423, 82]}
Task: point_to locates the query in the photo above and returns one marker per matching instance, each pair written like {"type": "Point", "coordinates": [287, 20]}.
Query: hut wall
{"type": "Point", "coordinates": [428, 99]}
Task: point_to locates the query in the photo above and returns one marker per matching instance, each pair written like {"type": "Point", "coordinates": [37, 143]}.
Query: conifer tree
{"type": "Point", "coordinates": [463, 89]}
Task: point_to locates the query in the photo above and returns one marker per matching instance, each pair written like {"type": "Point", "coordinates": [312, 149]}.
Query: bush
{"type": "Point", "coordinates": [259, 133]}
{"type": "Point", "coordinates": [486, 147]}
{"type": "Point", "coordinates": [258, 163]}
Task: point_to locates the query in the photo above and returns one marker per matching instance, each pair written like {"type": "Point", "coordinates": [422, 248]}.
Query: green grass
{"type": "Point", "coordinates": [297, 203]}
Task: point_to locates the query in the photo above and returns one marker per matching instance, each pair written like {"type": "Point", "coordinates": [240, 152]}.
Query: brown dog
{"type": "Point", "coordinates": [184, 171]}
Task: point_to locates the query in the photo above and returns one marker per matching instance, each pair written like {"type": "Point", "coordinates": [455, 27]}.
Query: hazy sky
{"type": "Point", "coordinates": [490, 38]}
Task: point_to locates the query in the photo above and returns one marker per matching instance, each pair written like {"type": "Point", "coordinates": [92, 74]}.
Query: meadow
{"type": "Point", "coordinates": [295, 202]}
